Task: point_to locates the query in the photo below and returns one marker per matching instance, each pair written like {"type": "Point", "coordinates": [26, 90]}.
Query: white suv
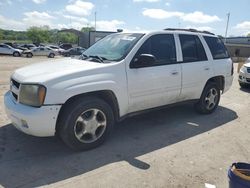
{"type": "Point", "coordinates": [121, 74]}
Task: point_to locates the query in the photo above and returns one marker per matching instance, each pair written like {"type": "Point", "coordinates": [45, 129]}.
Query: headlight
{"type": "Point", "coordinates": [243, 69]}
{"type": "Point", "coordinates": [32, 95]}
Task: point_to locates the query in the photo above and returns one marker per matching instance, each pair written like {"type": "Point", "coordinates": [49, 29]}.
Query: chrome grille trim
{"type": "Point", "coordinates": [15, 88]}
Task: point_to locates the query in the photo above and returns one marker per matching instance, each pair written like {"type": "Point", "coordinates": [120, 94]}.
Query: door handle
{"type": "Point", "coordinates": [207, 69]}
{"type": "Point", "coordinates": [174, 73]}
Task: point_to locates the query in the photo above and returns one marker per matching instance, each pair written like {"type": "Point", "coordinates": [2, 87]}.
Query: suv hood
{"type": "Point", "coordinates": [47, 71]}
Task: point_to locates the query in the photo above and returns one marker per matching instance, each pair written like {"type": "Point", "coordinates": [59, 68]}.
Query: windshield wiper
{"type": "Point", "coordinates": [101, 59]}
{"type": "Point", "coordinates": [83, 57]}
{"type": "Point", "coordinates": [94, 57]}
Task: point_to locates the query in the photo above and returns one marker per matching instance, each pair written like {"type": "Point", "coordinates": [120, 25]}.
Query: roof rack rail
{"type": "Point", "coordinates": [190, 30]}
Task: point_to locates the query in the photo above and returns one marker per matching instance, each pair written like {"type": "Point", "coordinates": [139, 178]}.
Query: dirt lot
{"type": "Point", "coordinates": [174, 147]}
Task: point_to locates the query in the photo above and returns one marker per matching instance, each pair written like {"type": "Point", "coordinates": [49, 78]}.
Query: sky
{"type": "Point", "coordinates": [129, 15]}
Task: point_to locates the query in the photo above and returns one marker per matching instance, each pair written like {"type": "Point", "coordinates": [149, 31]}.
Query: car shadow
{"type": "Point", "coordinates": [27, 161]}
{"type": "Point", "coordinates": [245, 89]}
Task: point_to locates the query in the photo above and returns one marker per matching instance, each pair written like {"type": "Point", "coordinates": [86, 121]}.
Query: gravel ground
{"type": "Point", "coordinates": [174, 147]}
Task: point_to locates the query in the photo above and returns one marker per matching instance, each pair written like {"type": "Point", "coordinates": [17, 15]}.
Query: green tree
{"type": "Point", "coordinates": [248, 34]}
{"type": "Point", "coordinates": [1, 35]}
{"type": "Point", "coordinates": [66, 37]}
{"type": "Point", "coordinates": [39, 34]}
{"type": "Point", "coordinates": [87, 29]}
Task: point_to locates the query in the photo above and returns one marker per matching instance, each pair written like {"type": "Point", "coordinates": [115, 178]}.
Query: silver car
{"type": "Point", "coordinates": [41, 51]}
{"type": "Point", "coordinates": [8, 50]}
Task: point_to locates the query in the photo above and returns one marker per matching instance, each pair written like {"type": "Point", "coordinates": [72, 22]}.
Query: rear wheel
{"type": "Point", "coordinates": [16, 54]}
{"type": "Point", "coordinates": [85, 123]}
{"type": "Point", "coordinates": [209, 99]}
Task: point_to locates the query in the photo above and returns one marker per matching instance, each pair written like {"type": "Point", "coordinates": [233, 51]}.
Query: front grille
{"type": "Point", "coordinates": [15, 83]}
{"type": "Point", "coordinates": [248, 69]}
{"type": "Point", "coordinates": [15, 88]}
{"type": "Point", "coordinates": [15, 96]}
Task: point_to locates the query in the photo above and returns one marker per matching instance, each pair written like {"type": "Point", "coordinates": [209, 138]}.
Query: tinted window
{"type": "Point", "coordinates": [192, 48]}
{"type": "Point", "coordinates": [216, 47]}
{"type": "Point", "coordinates": [160, 46]}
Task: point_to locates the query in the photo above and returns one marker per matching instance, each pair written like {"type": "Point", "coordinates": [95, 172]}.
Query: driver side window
{"type": "Point", "coordinates": [162, 47]}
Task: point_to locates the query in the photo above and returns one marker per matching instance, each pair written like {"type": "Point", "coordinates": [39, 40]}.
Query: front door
{"type": "Point", "coordinates": [160, 83]}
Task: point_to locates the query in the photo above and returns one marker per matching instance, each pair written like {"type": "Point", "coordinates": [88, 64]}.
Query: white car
{"type": "Point", "coordinates": [119, 76]}
{"type": "Point", "coordinates": [56, 48]}
{"type": "Point", "coordinates": [244, 74]}
{"type": "Point", "coordinates": [41, 51]}
{"type": "Point", "coordinates": [8, 50]}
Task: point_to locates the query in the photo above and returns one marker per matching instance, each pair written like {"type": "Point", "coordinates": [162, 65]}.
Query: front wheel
{"type": "Point", "coordinates": [51, 55]}
{"type": "Point", "coordinates": [16, 54]}
{"type": "Point", "coordinates": [85, 123]}
{"type": "Point", "coordinates": [29, 55]}
{"type": "Point", "coordinates": [209, 99]}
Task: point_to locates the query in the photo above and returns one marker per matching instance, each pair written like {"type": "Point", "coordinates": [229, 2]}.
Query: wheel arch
{"type": "Point", "coordinates": [218, 80]}
{"type": "Point", "coordinates": [107, 95]}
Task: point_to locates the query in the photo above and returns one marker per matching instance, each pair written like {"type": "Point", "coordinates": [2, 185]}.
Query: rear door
{"type": "Point", "coordinates": [160, 83]}
{"type": "Point", "coordinates": [196, 69]}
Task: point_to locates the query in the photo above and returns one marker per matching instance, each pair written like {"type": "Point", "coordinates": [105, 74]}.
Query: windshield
{"type": "Point", "coordinates": [113, 47]}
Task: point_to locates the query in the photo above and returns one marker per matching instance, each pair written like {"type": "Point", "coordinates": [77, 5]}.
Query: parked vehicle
{"type": "Point", "coordinates": [14, 45]}
{"type": "Point", "coordinates": [119, 76]}
{"type": "Point", "coordinates": [66, 46]}
{"type": "Point", "coordinates": [77, 51]}
{"type": "Point", "coordinates": [8, 50]}
{"type": "Point", "coordinates": [244, 74]}
{"type": "Point", "coordinates": [40, 51]}
{"type": "Point", "coordinates": [28, 46]}
{"type": "Point", "coordinates": [56, 48]}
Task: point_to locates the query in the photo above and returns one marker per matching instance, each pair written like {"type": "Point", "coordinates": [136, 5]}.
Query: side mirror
{"type": "Point", "coordinates": [144, 60]}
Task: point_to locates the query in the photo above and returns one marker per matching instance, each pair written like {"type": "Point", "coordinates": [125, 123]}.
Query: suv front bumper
{"type": "Point", "coordinates": [244, 77]}
{"type": "Point", "coordinates": [39, 122]}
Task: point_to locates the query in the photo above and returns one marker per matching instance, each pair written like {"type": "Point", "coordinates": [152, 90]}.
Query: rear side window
{"type": "Point", "coordinates": [192, 48]}
{"type": "Point", "coordinates": [216, 47]}
{"type": "Point", "coordinates": [162, 47]}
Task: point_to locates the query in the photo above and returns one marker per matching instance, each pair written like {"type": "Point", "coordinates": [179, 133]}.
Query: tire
{"type": "Point", "coordinates": [80, 129]}
{"type": "Point", "coordinates": [51, 55]}
{"type": "Point", "coordinates": [209, 99]}
{"type": "Point", "coordinates": [16, 54]}
{"type": "Point", "coordinates": [29, 55]}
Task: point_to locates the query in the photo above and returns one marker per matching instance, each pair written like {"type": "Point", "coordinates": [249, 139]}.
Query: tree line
{"type": "Point", "coordinates": [40, 35]}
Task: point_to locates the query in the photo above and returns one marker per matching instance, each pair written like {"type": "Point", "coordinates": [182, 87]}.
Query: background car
{"type": "Point", "coordinates": [28, 46]}
{"type": "Point", "coordinates": [66, 46]}
{"type": "Point", "coordinates": [56, 48]}
{"type": "Point", "coordinates": [73, 52]}
{"type": "Point", "coordinates": [14, 45]}
{"type": "Point", "coordinates": [40, 51]}
{"type": "Point", "coordinates": [8, 50]}
{"type": "Point", "coordinates": [244, 74]}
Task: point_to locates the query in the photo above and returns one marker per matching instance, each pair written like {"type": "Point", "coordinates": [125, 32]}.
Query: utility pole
{"type": "Point", "coordinates": [228, 17]}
